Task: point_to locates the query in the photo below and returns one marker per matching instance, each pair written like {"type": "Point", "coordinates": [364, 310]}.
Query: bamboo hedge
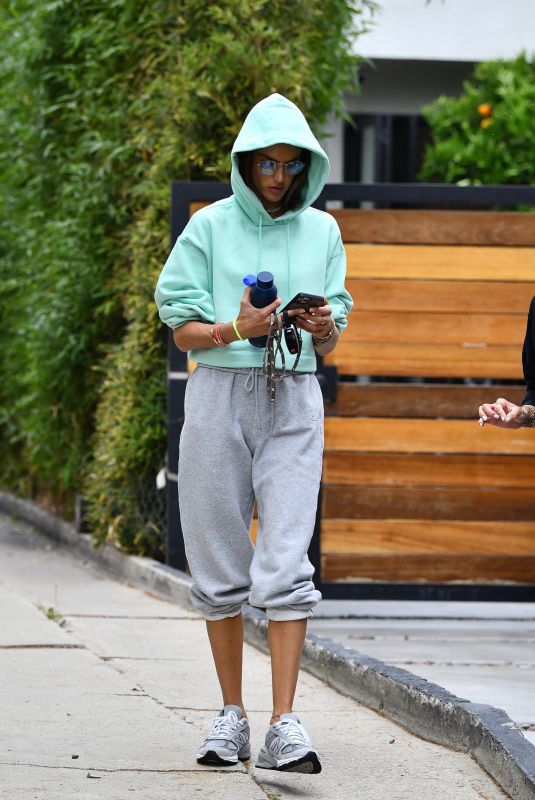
{"type": "Point", "coordinates": [102, 105]}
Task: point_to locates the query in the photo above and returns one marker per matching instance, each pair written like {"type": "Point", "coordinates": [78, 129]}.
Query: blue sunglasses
{"type": "Point", "coordinates": [270, 167]}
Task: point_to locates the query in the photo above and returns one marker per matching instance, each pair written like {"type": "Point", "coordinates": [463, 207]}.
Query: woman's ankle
{"type": "Point", "coordinates": [275, 717]}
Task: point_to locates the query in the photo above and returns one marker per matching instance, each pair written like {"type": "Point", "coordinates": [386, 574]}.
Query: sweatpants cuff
{"type": "Point", "coordinates": [217, 615]}
{"type": "Point", "coordinates": [283, 614]}
{"type": "Point", "coordinates": [211, 612]}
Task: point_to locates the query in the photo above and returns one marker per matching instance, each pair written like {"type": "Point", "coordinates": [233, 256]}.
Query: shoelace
{"type": "Point", "coordinates": [293, 731]}
{"type": "Point", "coordinates": [225, 726]}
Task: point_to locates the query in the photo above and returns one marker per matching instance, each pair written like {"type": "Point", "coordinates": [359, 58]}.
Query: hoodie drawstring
{"type": "Point", "coordinates": [259, 259]}
{"type": "Point", "coordinates": [288, 254]}
{"type": "Point", "coordinates": [288, 270]}
{"type": "Point", "coordinates": [251, 385]}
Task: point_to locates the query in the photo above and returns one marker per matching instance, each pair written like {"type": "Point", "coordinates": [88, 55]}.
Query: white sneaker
{"type": "Point", "coordinates": [288, 747]}
{"type": "Point", "coordinates": [229, 739]}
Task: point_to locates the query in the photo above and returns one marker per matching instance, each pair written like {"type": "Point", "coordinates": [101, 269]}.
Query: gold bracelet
{"type": "Point", "coordinates": [530, 414]}
{"type": "Point", "coordinates": [324, 339]}
{"type": "Point", "coordinates": [215, 333]}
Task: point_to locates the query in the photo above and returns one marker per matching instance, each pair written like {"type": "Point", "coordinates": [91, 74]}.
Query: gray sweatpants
{"type": "Point", "coordinates": [236, 447]}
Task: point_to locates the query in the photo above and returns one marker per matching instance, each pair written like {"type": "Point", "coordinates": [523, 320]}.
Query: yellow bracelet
{"type": "Point", "coordinates": [236, 331]}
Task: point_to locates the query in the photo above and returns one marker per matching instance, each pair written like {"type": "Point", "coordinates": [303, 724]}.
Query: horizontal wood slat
{"type": "Point", "coordinates": [513, 229]}
{"type": "Point", "coordinates": [428, 568]}
{"type": "Point", "coordinates": [427, 536]}
{"type": "Point", "coordinates": [442, 296]}
{"type": "Point", "coordinates": [417, 399]}
{"type": "Point", "coordinates": [436, 227]}
{"type": "Point", "coordinates": [406, 502]}
{"type": "Point", "coordinates": [425, 328]}
{"type": "Point", "coordinates": [394, 469]}
{"type": "Point", "coordinates": [427, 361]}
{"type": "Point", "coordinates": [424, 436]}
{"type": "Point", "coordinates": [422, 262]}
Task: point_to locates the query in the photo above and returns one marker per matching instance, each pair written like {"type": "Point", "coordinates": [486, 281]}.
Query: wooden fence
{"type": "Point", "coordinates": [417, 500]}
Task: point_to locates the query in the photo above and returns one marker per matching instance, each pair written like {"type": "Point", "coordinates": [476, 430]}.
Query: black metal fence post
{"type": "Point", "coordinates": [182, 194]}
{"type": "Point", "coordinates": [177, 375]}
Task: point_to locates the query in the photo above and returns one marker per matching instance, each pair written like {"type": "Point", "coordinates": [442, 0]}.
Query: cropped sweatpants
{"type": "Point", "coordinates": [237, 447]}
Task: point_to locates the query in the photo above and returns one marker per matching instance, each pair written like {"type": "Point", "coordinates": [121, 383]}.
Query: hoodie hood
{"type": "Point", "coordinates": [276, 120]}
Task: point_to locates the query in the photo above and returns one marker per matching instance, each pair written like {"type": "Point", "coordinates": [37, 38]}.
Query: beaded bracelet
{"type": "Point", "coordinates": [216, 335]}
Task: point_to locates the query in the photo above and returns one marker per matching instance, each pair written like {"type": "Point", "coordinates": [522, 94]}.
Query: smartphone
{"type": "Point", "coordinates": [304, 300]}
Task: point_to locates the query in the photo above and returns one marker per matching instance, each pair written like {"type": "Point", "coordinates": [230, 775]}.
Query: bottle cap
{"type": "Point", "coordinates": [264, 280]}
{"type": "Point", "coordinates": [249, 280]}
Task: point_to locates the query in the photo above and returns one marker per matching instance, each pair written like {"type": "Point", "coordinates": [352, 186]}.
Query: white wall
{"type": "Point", "coordinates": [403, 87]}
{"type": "Point", "coordinates": [333, 144]}
{"type": "Point", "coordinates": [450, 30]}
{"type": "Point", "coordinates": [391, 87]}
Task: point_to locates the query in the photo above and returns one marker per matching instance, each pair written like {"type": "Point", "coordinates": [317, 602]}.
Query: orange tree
{"type": "Point", "coordinates": [487, 134]}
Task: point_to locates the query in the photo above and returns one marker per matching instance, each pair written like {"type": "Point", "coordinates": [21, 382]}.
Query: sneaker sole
{"type": "Point", "coordinates": [309, 764]}
{"type": "Point", "coordinates": [213, 758]}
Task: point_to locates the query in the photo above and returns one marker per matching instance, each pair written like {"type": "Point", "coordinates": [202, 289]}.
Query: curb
{"type": "Point", "coordinates": [424, 708]}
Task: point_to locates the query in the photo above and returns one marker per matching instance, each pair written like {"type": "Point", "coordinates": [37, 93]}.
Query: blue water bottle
{"type": "Point", "coordinates": [263, 292]}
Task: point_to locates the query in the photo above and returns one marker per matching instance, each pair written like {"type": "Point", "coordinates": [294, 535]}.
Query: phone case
{"type": "Point", "coordinates": [304, 300]}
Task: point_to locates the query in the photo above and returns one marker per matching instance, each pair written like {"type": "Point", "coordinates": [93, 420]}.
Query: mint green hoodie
{"type": "Point", "coordinates": [224, 242]}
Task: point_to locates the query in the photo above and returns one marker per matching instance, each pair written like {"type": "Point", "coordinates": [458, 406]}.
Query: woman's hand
{"type": "Point", "coordinates": [502, 414]}
{"type": "Point", "coordinates": [253, 321]}
{"type": "Point", "coordinates": [320, 323]}
{"type": "Point", "coordinates": [317, 321]}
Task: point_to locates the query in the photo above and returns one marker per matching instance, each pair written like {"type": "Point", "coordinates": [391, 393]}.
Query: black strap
{"type": "Point", "coordinates": [274, 346]}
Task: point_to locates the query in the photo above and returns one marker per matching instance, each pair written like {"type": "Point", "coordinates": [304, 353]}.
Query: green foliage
{"type": "Point", "coordinates": [65, 161]}
{"type": "Point", "coordinates": [486, 135]}
{"type": "Point", "coordinates": [104, 104]}
{"type": "Point", "coordinates": [55, 616]}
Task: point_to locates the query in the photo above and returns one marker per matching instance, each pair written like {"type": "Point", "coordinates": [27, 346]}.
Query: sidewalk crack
{"type": "Point", "coordinates": [271, 794]}
{"type": "Point", "coordinates": [133, 617]}
{"type": "Point", "coordinates": [42, 647]}
{"type": "Point", "coordinates": [108, 770]}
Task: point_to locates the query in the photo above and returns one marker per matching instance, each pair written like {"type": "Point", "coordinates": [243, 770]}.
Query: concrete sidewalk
{"type": "Point", "coordinates": [108, 690]}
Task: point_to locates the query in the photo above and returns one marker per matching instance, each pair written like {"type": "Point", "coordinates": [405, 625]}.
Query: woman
{"type": "Point", "coordinates": [505, 414]}
{"type": "Point", "coordinates": [237, 446]}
